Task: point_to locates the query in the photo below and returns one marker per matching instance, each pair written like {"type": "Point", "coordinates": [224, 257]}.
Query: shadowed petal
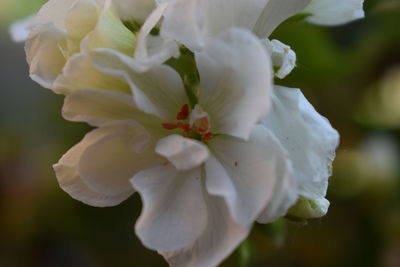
{"type": "Point", "coordinates": [219, 239]}
{"type": "Point", "coordinates": [100, 107]}
{"type": "Point", "coordinates": [44, 55]}
{"type": "Point", "coordinates": [158, 91]}
{"type": "Point", "coordinates": [79, 73]}
{"type": "Point", "coordinates": [153, 50]}
{"type": "Point", "coordinates": [107, 165]}
{"type": "Point", "coordinates": [70, 179]}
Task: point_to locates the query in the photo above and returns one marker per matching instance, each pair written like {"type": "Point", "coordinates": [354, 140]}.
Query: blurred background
{"type": "Point", "coordinates": [351, 74]}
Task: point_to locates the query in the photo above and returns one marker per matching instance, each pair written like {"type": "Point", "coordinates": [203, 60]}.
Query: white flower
{"type": "Point", "coordinates": [313, 148]}
{"type": "Point", "coordinates": [310, 142]}
{"type": "Point", "coordinates": [64, 31]}
{"type": "Point", "coordinates": [208, 159]}
{"type": "Point", "coordinates": [205, 171]}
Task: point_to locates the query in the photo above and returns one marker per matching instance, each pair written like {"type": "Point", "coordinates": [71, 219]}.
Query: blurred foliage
{"type": "Point", "coordinates": [350, 73]}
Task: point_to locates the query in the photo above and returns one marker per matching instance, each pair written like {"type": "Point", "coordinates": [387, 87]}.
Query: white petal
{"type": "Point", "coordinates": [334, 12]}
{"type": "Point", "coordinates": [307, 136]}
{"type": "Point", "coordinates": [44, 54]}
{"type": "Point", "coordinates": [183, 23]}
{"type": "Point", "coordinates": [158, 91]}
{"type": "Point", "coordinates": [248, 174]}
{"type": "Point", "coordinates": [192, 22]}
{"type": "Point", "coordinates": [70, 181]}
{"type": "Point", "coordinates": [158, 51]}
{"type": "Point", "coordinates": [282, 57]}
{"type": "Point", "coordinates": [154, 50]}
{"type": "Point", "coordinates": [107, 165]}
{"type": "Point", "coordinates": [149, 24]}
{"type": "Point", "coordinates": [20, 30]}
{"type": "Point", "coordinates": [284, 195]}
{"type": "Point", "coordinates": [235, 74]}
{"type": "Point", "coordinates": [100, 107]}
{"type": "Point", "coordinates": [81, 18]}
{"type": "Point", "coordinates": [78, 73]}
{"type": "Point", "coordinates": [220, 237]}
{"type": "Point", "coordinates": [183, 153]}
{"type": "Point", "coordinates": [275, 12]}
{"type": "Point", "coordinates": [54, 11]}
{"type": "Point", "coordinates": [174, 214]}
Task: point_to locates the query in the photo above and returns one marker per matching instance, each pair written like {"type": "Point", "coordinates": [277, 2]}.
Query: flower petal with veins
{"type": "Point", "coordinates": [174, 213]}
{"type": "Point", "coordinates": [227, 89]}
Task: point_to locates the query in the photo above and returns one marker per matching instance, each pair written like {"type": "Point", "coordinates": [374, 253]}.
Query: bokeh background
{"type": "Point", "coordinates": [350, 73]}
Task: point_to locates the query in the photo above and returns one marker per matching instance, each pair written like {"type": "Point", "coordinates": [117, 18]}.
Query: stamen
{"type": "Point", "coordinates": [184, 126]}
{"type": "Point", "coordinates": [197, 128]}
{"type": "Point", "coordinates": [169, 126]}
{"type": "Point", "coordinates": [184, 113]}
{"type": "Point", "coordinates": [207, 137]}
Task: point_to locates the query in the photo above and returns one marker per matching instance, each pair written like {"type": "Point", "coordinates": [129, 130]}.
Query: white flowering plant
{"type": "Point", "coordinates": [188, 113]}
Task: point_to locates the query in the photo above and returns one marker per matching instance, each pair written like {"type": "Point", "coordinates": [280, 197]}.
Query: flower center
{"type": "Point", "coordinates": [194, 124]}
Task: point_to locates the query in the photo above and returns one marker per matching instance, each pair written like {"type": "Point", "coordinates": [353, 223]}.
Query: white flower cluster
{"type": "Point", "coordinates": [182, 96]}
